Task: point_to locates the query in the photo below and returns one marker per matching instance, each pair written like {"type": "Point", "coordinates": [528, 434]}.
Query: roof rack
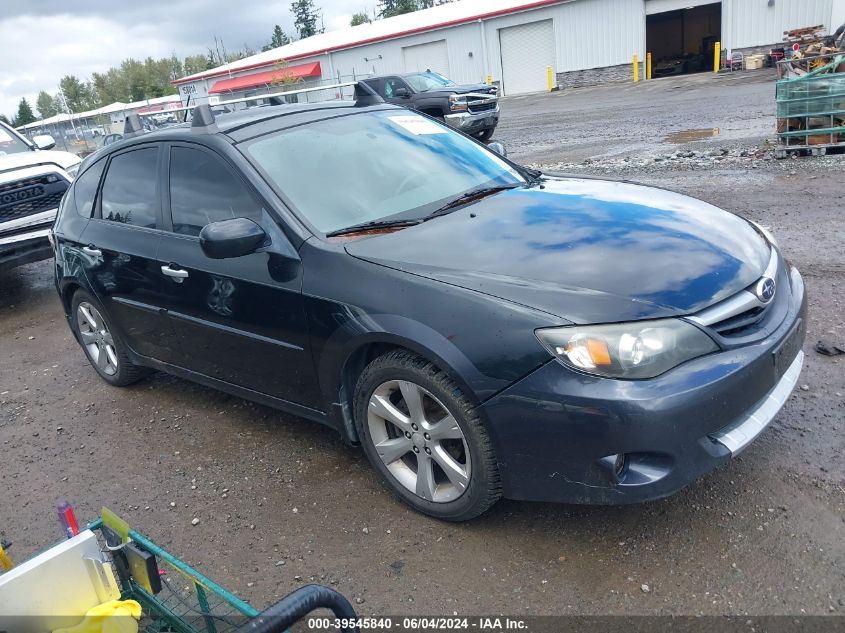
{"type": "Point", "coordinates": [133, 126]}
{"type": "Point", "coordinates": [203, 119]}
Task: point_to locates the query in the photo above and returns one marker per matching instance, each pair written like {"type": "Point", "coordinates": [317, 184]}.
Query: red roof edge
{"type": "Point", "coordinates": [311, 69]}
{"type": "Point", "coordinates": [482, 16]}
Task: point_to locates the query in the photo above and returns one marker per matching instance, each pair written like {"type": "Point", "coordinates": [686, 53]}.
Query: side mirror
{"type": "Point", "coordinates": [402, 93]}
{"type": "Point", "coordinates": [497, 147]}
{"type": "Point", "coordinates": [231, 238]}
{"type": "Point", "coordinates": [44, 141]}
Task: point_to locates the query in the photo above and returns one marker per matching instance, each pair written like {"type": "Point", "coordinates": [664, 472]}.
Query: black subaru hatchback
{"type": "Point", "coordinates": [480, 329]}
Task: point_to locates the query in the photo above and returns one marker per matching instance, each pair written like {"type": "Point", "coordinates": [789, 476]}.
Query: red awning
{"type": "Point", "coordinates": [263, 79]}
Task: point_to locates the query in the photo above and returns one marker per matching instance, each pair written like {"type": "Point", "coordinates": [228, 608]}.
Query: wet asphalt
{"type": "Point", "coordinates": [281, 502]}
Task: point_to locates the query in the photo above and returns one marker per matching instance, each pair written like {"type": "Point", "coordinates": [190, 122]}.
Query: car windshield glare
{"type": "Point", "coordinates": [374, 166]}
{"type": "Point", "coordinates": [423, 82]}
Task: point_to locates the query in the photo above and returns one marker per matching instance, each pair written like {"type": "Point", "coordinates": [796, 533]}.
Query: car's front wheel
{"type": "Point", "coordinates": [485, 135]}
{"type": "Point", "coordinates": [425, 438]}
{"type": "Point", "coordinates": [102, 345]}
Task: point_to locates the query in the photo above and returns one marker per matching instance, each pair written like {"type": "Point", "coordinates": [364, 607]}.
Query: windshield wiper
{"type": "Point", "coordinates": [470, 195]}
{"type": "Point", "coordinates": [533, 174]}
{"type": "Point", "coordinates": [375, 224]}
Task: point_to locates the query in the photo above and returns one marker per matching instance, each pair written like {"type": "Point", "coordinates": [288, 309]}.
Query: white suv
{"type": "Point", "coordinates": [32, 182]}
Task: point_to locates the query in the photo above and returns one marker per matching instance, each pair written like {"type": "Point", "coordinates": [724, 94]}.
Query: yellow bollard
{"type": "Point", "coordinates": [489, 80]}
{"type": "Point", "coordinates": [636, 68]}
{"type": "Point", "coordinates": [717, 56]}
{"type": "Point", "coordinates": [550, 77]}
{"type": "Point", "coordinates": [648, 66]}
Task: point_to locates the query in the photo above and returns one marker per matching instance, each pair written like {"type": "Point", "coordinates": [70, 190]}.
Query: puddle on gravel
{"type": "Point", "coordinates": [688, 136]}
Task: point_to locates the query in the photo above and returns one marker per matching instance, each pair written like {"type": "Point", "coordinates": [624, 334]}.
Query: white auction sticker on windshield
{"type": "Point", "coordinates": [417, 124]}
{"type": "Point", "coordinates": [4, 136]}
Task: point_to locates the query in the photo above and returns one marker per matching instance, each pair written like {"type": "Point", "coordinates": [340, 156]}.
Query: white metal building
{"type": "Point", "coordinates": [515, 41]}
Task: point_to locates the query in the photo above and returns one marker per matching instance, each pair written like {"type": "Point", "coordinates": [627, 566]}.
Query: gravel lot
{"type": "Point", "coordinates": [281, 502]}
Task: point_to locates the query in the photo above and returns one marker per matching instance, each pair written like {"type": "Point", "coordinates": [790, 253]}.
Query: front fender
{"type": "Point", "coordinates": [483, 342]}
{"type": "Point", "coordinates": [362, 330]}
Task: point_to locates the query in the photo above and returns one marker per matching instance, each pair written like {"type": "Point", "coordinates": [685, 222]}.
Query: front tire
{"type": "Point", "coordinates": [104, 348]}
{"type": "Point", "coordinates": [425, 438]}
{"type": "Point", "coordinates": [485, 135]}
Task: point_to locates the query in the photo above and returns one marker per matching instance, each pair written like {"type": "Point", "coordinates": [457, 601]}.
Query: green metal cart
{"type": "Point", "coordinates": [811, 107]}
{"type": "Point", "coordinates": [174, 597]}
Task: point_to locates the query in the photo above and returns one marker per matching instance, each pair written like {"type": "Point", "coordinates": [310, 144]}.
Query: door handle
{"type": "Point", "coordinates": [92, 251]}
{"type": "Point", "coordinates": [177, 274]}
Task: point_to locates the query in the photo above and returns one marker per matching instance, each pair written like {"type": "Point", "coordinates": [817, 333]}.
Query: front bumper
{"type": "Point", "coordinates": [26, 242]}
{"type": "Point", "coordinates": [557, 432]}
{"type": "Point", "coordinates": [474, 121]}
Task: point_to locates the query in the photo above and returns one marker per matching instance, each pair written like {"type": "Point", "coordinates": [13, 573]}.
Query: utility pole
{"type": "Point", "coordinates": [69, 112]}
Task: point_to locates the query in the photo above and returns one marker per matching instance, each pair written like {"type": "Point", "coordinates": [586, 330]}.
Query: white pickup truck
{"type": "Point", "coordinates": [32, 182]}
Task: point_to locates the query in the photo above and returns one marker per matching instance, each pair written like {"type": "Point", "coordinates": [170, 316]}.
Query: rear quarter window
{"type": "Point", "coordinates": [130, 192]}
{"type": "Point", "coordinates": [85, 188]}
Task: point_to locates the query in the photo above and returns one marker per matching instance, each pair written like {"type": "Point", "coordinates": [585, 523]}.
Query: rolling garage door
{"type": "Point", "coordinates": [431, 56]}
{"type": "Point", "coordinates": [527, 51]}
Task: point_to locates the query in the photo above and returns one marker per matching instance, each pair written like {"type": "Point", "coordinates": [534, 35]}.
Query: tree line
{"type": "Point", "coordinates": [390, 8]}
{"type": "Point", "coordinates": [138, 80]}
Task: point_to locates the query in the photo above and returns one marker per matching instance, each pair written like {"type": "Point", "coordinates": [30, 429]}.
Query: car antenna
{"type": "Point", "coordinates": [132, 126]}
{"type": "Point", "coordinates": [202, 120]}
{"type": "Point", "coordinates": [365, 95]}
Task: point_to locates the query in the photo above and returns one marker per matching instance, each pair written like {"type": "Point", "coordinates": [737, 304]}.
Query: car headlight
{"type": "Point", "coordinates": [458, 103]}
{"type": "Point", "coordinates": [73, 170]}
{"type": "Point", "coordinates": [637, 350]}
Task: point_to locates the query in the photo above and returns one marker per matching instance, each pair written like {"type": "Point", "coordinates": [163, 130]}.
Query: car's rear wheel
{"type": "Point", "coordinates": [425, 438]}
{"type": "Point", "coordinates": [102, 345]}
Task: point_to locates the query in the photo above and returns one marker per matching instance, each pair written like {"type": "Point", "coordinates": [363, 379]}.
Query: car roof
{"type": "Point", "coordinates": [252, 122]}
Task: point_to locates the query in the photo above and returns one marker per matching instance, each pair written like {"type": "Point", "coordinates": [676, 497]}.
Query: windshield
{"type": "Point", "coordinates": [10, 143]}
{"type": "Point", "coordinates": [423, 82]}
{"type": "Point", "coordinates": [375, 166]}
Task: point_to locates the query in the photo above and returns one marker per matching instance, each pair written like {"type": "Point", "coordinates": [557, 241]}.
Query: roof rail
{"type": "Point", "coordinates": [203, 120]}
{"type": "Point", "coordinates": [133, 126]}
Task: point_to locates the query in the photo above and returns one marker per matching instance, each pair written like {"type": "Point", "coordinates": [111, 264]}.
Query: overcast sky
{"type": "Point", "coordinates": [43, 40]}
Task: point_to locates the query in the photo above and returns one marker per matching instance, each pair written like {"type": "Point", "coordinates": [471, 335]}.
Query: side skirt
{"type": "Point", "coordinates": [240, 392]}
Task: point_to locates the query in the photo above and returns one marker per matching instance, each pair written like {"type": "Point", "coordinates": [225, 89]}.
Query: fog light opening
{"type": "Point", "coordinates": [620, 466]}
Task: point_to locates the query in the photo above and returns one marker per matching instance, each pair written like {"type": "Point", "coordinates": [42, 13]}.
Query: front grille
{"type": "Point", "coordinates": [482, 107]}
{"type": "Point", "coordinates": [741, 324]}
{"type": "Point", "coordinates": [743, 317]}
{"type": "Point", "coordinates": [23, 198]}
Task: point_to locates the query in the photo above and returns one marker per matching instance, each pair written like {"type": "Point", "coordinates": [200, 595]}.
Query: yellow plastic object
{"type": "Point", "coordinates": [115, 616]}
{"type": "Point", "coordinates": [636, 64]}
{"type": "Point", "coordinates": [5, 562]}
{"type": "Point", "coordinates": [117, 524]}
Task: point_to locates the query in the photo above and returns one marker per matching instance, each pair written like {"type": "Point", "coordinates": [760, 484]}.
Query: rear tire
{"type": "Point", "coordinates": [435, 452]}
{"type": "Point", "coordinates": [103, 346]}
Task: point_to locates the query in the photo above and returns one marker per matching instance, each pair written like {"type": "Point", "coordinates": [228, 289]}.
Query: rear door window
{"type": "Point", "coordinates": [204, 190]}
{"type": "Point", "coordinates": [130, 191]}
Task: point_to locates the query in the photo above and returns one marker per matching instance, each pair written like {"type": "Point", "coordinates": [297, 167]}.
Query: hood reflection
{"type": "Point", "coordinates": [612, 238]}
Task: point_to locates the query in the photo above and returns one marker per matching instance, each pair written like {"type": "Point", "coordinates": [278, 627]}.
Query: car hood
{"type": "Point", "coordinates": [586, 250]}
{"type": "Point", "coordinates": [463, 89]}
{"type": "Point", "coordinates": [11, 162]}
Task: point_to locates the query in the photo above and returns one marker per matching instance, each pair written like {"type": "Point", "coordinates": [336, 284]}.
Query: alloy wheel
{"type": "Point", "coordinates": [96, 338]}
{"type": "Point", "coordinates": [419, 441]}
